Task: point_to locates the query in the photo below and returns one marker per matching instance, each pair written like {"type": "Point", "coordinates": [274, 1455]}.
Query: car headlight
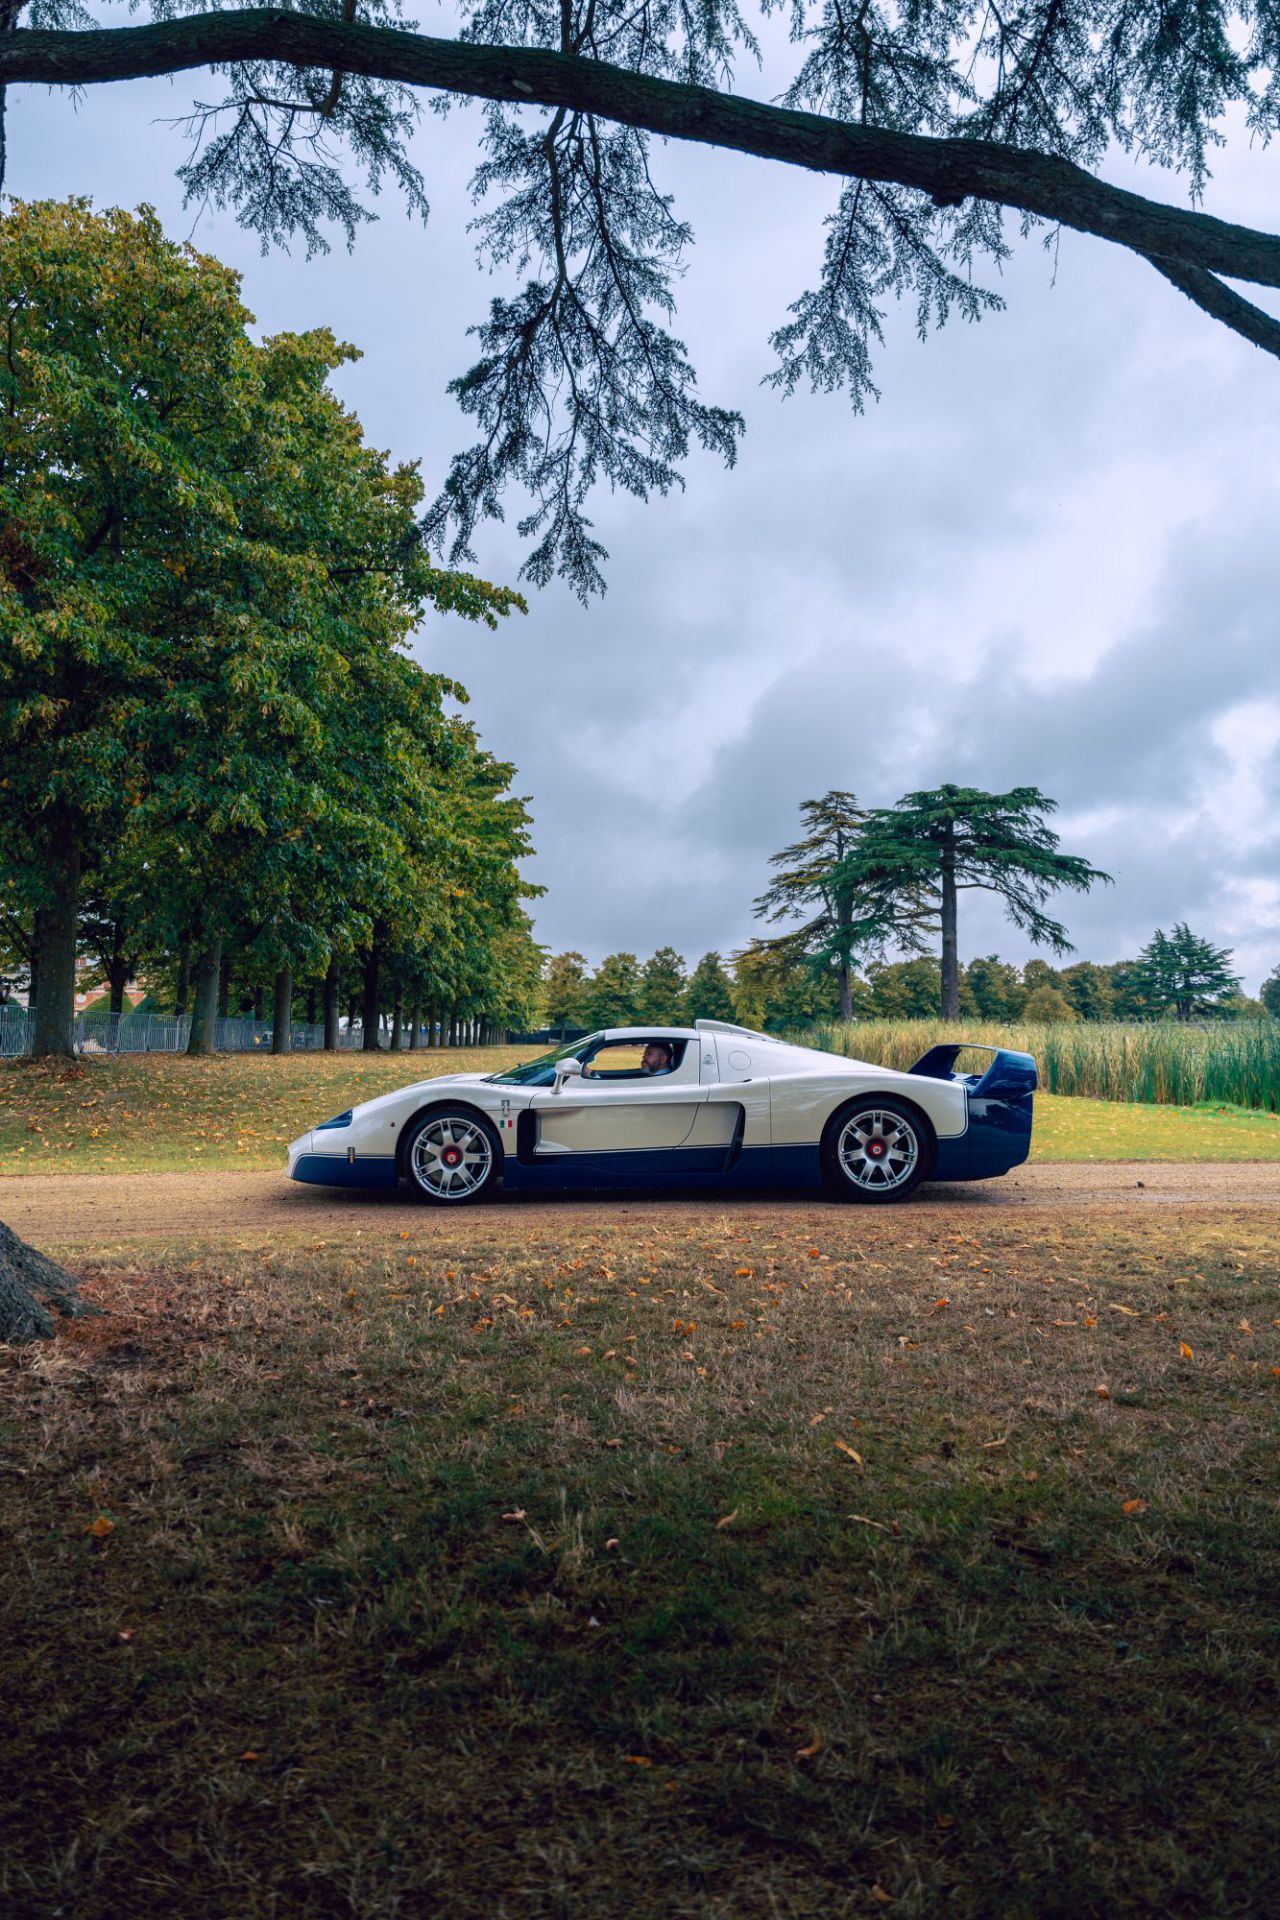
{"type": "Point", "coordinates": [338, 1120]}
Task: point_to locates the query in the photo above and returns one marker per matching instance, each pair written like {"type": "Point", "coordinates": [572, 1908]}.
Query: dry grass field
{"type": "Point", "coordinates": [688, 1569]}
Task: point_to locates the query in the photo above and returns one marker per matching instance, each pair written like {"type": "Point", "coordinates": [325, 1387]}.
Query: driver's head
{"type": "Point", "coordinates": [657, 1057]}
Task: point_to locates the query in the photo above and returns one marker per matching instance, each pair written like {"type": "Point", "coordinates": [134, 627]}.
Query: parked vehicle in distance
{"type": "Point", "coordinates": [711, 1105]}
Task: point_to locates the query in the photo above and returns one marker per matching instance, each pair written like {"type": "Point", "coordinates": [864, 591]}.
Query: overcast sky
{"type": "Point", "coordinates": [1048, 556]}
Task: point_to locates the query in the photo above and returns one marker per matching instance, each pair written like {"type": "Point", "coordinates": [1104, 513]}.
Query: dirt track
{"type": "Point", "coordinates": [100, 1210]}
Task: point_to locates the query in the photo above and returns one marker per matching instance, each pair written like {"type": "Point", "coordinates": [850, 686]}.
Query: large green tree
{"type": "Point", "coordinates": [811, 885]}
{"type": "Point", "coordinates": [1179, 974]}
{"type": "Point", "coordinates": [565, 990]}
{"type": "Point", "coordinates": [205, 581]}
{"type": "Point", "coordinates": [936, 120]}
{"type": "Point", "coordinates": [662, 988]}
{"type": "Point", "coordinates": [614, 996]}
{"type": "Point", "coordinates": [709, 994]}
{"type": "Point", "coordinates": [911, 863]}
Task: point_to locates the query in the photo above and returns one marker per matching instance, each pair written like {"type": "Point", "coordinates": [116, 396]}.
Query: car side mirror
{"type": "Point", "coordinates": [567, 1070]}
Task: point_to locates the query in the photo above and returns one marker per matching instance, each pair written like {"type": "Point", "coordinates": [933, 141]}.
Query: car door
{"type": "Point", "coordinates": [615, 1108]}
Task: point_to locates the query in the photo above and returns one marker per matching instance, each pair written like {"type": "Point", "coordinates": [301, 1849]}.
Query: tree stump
{"type": "Point", "coordinates": [31, 1289]}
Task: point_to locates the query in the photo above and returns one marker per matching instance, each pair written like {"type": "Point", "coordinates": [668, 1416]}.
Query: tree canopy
{"type": "Point", "coordinates": [1180, 973]}
{"type": "Point", "coordinates": [910, 863]}
{"type": "Point", "coordinates": [937, 117]}
{"type": "Point", "coordinates": [811, 886]}
{"type": "Point", "coordinates": [208, 720]}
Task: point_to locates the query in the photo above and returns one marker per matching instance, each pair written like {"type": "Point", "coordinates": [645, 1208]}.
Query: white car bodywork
{"type": "Point", "coordinates": [737, 1107]}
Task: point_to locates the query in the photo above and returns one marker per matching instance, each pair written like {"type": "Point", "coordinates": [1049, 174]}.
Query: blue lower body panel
{"type": "Point", "coordinates": [664, 1167]}
{"type": "Point", "coordinates": [366, 1170]}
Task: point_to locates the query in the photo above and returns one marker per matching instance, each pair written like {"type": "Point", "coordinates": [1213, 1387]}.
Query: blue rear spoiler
{"type": "Point", "coordinates": [1008, 1075]}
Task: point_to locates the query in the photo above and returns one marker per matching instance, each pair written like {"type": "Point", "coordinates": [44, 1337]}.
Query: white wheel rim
{"type": "Point", "coordinates": [451, 1158]}
{"type": "Point", "coordinates": [877, 1151]}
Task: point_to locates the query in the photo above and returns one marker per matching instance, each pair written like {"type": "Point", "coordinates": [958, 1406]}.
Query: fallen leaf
{"type": "Point", "coordinates": [938, 1305]}
{"type": "Point", "coordinates": [517, 1513]}
{"type": "Point", "coordinates": [878, 1893]}
{"type": "Point", "coordinates": [250, 1755]}
{"type": "Point", "coordinates": [814, 1746]}
{"type": "Point", "coordinates": [1134, 1506]}
{"type": "Point", "coordinates": [727, 1520]}
{"type": "Point", "coordinates": [1103, 1393]}
{"type": "Point", "coordinates": [1188, 1353]}
{"type": "Point", "coordinates": [101, 1527]}
{"type": "Point", "coordinates": [742, 1273]}
{"type": "Point", "coordinates": [817, 1419]}
{"type": "Point", "coordinates": [864, 1520]}
{"type": "Point", "coordinates": [853, 1454]}
{"type": "Point", "coordinates": [636, 1760]}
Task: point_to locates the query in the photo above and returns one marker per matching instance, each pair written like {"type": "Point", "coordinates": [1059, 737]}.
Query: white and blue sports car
{"type": "Point", "coordinates": [710, 1105]}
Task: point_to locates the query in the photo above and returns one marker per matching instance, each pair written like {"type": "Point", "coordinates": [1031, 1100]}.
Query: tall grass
{"type": "Point", "coordinates": [1236, 1063]}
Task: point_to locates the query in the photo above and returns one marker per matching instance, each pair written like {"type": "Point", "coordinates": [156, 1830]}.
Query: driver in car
{"type": "Point", "coordinates": [656, 1058]}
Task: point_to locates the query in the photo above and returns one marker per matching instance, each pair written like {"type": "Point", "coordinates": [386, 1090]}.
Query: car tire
{"type": "Point", "coordinates": [432, 1173]}
{"type": "Point", "coordinates": [876, 1151]}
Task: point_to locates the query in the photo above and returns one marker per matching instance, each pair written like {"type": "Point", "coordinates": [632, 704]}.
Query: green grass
{"type": "Point", "coordinates": [164, 1113]}
{"type": "Point", "coordinates": [1230, 1063]}
{"type": "Point", "coordinates": [680, 1573]}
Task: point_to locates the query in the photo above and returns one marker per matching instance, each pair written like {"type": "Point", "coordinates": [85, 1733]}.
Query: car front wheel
{"type": "Point", "coordinates": [451, 1157]}
{"type": "Point", "coordinates": [877, 1150]}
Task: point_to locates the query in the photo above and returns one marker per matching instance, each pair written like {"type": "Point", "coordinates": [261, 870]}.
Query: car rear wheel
{"type": "Point", "coordinates": [877, 1150]}
{"type": "Point", "coordinates": [451, 1157]}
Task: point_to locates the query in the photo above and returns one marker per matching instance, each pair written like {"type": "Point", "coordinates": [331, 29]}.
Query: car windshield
{"type": "Point", "coordinates": [540, 1072]}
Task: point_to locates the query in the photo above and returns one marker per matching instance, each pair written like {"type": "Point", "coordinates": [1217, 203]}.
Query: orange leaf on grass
{"type": "Point", "coordinates": [101, 1527]}
{"type": "Point", "coordinates": [1188, 1353]}
{"type": "Point", "coordinates": [853, 1454]}
{"type": "Point", "coordinates": [1134, 1506]}
{"type": "Point", "coordinates": [814, 1746]}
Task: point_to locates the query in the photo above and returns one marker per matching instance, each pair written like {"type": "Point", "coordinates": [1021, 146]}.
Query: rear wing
{"type": "Point", "coordinates": [1009, 1074]}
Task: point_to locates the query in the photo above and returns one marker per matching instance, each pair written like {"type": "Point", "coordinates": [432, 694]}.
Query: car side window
{"type": "Point", "coordinates": [624, 1060]}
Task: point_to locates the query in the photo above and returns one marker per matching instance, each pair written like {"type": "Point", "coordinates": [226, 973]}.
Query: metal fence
{"type": "Point", "coordinates": [164, 1033]}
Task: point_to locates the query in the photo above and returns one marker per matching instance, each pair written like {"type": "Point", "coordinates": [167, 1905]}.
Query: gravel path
{"type": "Point", "coordinates": [101, 1210]}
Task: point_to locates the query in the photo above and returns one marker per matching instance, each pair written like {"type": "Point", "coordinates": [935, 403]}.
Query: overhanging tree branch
{"type": "Point", "coordinates": [1187, 246]}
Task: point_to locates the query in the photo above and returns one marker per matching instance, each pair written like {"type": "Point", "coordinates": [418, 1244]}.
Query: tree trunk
{"type": "Point", "coordinates": [369, 1011]}
{"type": "Point", "coordinates": [331, 1008]}
{"type": "Point", "coordinates": [432, 1016]}
{"type": "Point", "coordinates": [204, 1009]}
{"type": "Point", "coordinates": [54, 1036]}
{"type": "Point", "coordinates": [184, 980]}
{"type": "Point", "coordinates": [397, 1021]}
{"type": "Point", "coordinates": [415, 1026]}
{"type": "Point", "coordinates": [33, 991]}
{"type": "Point", "coordinates": [224, 986]}
{"type": "Point", "coordinates": [117, 969]}
{"type": "Point", "coordinates": [259, 1001]}
{"type": "Point", "coordinates": [950, 949]}
{"type": "Point", "coordinates": [31, 1288]}
{"type": "Point", "coordinates": [846, 992]}
{"type": "Point", "coordinates": [282, 1012]}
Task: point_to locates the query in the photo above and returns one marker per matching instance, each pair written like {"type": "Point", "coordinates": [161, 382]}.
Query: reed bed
{"type": "Point", "coordinates": [1234, 1063]}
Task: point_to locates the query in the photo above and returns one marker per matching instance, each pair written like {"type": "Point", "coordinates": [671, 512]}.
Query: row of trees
{"type": "Point", "coordinates": [220, 766]}
{"type": "Point", "coordinates": [1176, 976]}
